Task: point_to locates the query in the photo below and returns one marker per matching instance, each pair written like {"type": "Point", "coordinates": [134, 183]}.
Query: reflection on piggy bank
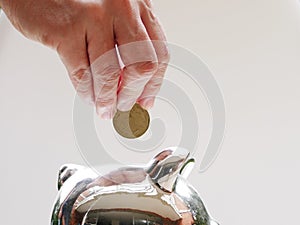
{"type": "Point", "coordinates": [155, 194]}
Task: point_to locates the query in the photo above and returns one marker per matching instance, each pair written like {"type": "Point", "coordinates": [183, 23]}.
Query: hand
{"type": "Point", "coordinates": [88, 34]}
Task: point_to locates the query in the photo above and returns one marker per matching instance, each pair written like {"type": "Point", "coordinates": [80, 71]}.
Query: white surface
{"type": "Point", "coordinates": [253, 49]}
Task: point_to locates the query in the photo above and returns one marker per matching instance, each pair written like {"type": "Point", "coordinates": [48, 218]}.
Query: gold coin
{"type": "Point", "coordinates": [133, 123]}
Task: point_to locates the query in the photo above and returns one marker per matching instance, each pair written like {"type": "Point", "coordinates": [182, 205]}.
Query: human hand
{"type": "Point", "coordinates": [85, 35]}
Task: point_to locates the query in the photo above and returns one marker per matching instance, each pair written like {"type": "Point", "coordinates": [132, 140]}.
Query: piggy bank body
{"type": "Point", "coordinates": [155, 194]}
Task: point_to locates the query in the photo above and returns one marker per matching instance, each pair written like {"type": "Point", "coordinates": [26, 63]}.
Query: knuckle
{"type": "Point", "coordinates": [79, 75]}
{"type": "Point", "coordinates": [162, 50]}
{"type": "Point", "coordinates": [105, 85]}
{"type": "Point", "coordinates": [46, 39]}
{"type": "Point", "coordinates": [104, 101]}
{"type": "Point", "coordinates": [105, 97]}
{"type": "Point", "coordinates": [165, 57]}
{"type": "Point", "coordinates": [111, 81]}
{"type": "Point", "coordinates": [156, 82]}
{"type": "Point", "coordinates": [105, 92]}
{"type": "Point", "coordinates": [162, 68]}
{"type": "Point", "coordinates": [82, 84]}
{"type": "Point", "coordinates": [164, 54]}
{"type": "Point", "coordinates": [145, 68]}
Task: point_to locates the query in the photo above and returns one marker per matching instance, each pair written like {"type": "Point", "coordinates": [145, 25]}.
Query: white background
{"type": "Point", "coordinates": [253, 49]}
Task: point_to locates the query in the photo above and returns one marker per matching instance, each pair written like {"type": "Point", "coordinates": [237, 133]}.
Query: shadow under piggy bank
{"type": "Point", "coordinates": [155, 194]}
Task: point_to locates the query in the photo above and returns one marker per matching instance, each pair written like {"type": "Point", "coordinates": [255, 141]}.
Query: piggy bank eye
{"type": "Point", "coordinates": [122, 218]}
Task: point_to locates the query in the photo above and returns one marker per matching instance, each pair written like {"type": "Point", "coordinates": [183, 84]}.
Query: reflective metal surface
{"type": "Point", "coordinates": [165, 166]}
{"type": "Point", "coordinates": [155, 194]}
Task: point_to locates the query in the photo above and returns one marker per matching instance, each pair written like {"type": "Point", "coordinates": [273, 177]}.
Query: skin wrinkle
{"type": "Point", "coordinates": [81, 31]}
{"type": "Point", "coordinates": [81, 79]}
{"type": "Point", "coordinates": [146, 68]}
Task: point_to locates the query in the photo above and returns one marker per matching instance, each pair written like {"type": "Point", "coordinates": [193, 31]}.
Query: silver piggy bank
{"type": "Point", "coordinates": [155, 194]}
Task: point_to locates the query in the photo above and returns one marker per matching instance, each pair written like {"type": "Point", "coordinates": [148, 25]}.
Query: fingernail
{"type": "Point", "coordinates": [147, 103]}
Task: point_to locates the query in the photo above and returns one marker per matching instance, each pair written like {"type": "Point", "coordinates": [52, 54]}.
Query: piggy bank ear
{"type": "Point", "coordinates": [164, 168]}
{"type": "Point", "coordinates": [65, 172]}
